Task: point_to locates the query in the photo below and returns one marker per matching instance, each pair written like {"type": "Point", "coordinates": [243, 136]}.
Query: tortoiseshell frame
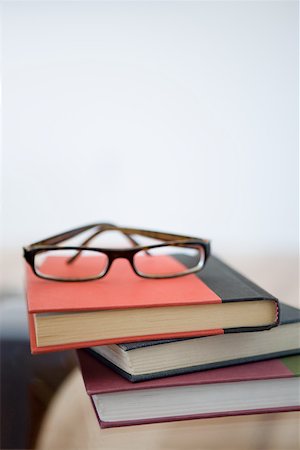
{"type": "Point", "coordinates": [128, 253]}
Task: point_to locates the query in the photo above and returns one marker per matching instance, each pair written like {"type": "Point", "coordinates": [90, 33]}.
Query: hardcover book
{"type": "Point", "coordinates": [123, 307]}
{"type": "Point", "coordinates": [139, 361]}
{"type": "Point", "coordinates": [259, 387]}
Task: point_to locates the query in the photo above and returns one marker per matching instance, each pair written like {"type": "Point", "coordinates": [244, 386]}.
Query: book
{"type": "Point", "coordinates": [139, 361]}
{"type": "Point", "coordinates": [123, 307]}
{"type": "Point", "coordinates": [259, 387]}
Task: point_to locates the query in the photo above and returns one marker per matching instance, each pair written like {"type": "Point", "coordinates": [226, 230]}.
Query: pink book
{"type": "Point", "coordinates": [260, 387]}
{"type": "Point", "coordinates": [75, 315]}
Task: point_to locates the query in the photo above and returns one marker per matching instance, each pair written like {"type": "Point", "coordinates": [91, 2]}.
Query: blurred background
{"type": "Point", "coordinates": [176, 116]}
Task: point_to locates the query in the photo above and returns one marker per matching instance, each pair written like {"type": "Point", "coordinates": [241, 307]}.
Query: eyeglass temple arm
{"type": "Point", "coordinates": [128, 232]}
{"type": "Point", "coordinates": [58, 238]}
{"type": "Point", "coordinates": [163, 236]}
{"type": "Point", "coordinates": [155, 234]}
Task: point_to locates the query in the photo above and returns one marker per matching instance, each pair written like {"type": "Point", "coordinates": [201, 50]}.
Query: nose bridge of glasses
{"type": "Point", "coordinates": [122, 253]}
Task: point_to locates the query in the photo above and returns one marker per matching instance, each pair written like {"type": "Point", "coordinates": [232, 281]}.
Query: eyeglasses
{"type": "Point", "coordinates": [174, 256]}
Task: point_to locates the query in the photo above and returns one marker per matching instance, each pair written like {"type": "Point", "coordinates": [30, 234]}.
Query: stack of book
{"type": "Point", "coordinates": [203, 345]}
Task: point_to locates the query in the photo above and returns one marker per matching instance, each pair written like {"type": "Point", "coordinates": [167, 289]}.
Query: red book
{"type": "Point", "coordinates": [123, 307]}
{"type": "Point", "coordinates": [261, 387]}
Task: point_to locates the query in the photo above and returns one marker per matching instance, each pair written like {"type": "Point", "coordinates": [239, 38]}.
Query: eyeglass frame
{"type": "Point", "coordinates": [169, 239]}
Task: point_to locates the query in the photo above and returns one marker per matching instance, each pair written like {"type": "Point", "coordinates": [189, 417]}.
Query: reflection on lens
{"type": "Point", "coordinates": [169, 260]}
{"type": "Point", "coordinates": [70, 264]}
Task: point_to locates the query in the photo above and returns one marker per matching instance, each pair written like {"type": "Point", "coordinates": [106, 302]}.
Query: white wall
{"type": "Point", "coordinates": [178, 116]}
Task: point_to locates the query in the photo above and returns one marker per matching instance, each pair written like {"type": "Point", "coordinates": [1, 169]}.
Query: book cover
{"type": "Point", "coordinates": [259, 387]}
{"type": "Point", "coordinates": [122, 290]}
